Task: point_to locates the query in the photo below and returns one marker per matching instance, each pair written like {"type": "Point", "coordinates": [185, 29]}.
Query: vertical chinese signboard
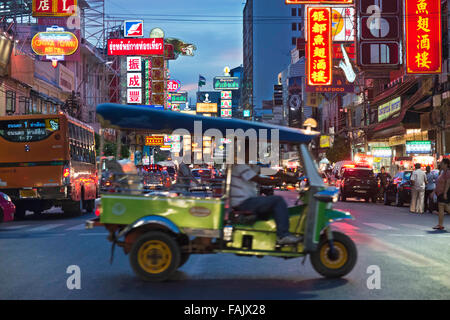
{"type": "Point", "coordinates": [423, 36]}
{"type": "Point", "coordinates": [319, 46]}
{"type": "Point", "coordinates": [134, 80]}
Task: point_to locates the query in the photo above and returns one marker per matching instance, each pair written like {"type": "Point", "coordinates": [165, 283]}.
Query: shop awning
{"type": "Point", "coordinates": [417, 98]}
{"type": "Point", "coordinates": [394, 92]}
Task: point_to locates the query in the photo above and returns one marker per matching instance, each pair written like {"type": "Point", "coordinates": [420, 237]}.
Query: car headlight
{"type": "Point", "coordinates": [6, 197]}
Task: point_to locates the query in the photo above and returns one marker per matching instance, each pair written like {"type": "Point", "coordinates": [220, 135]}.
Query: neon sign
{"type": "Point", "coordinates": [319, 46]}
{"type": "Point", "coordinates": [54, 43]}
{"type": "Point", "coordinates": [423, 36]}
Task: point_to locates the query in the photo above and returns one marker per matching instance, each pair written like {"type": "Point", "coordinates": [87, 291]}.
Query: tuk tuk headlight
{"type": "Point", "coordinates": [330, 195]}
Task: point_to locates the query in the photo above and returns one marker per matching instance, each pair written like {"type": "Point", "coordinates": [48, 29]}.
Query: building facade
{"type": "Point", "coordinates": [270, 31]}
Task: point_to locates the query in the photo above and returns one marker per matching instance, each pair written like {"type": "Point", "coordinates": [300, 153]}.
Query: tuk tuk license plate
{"type": "Point", "coordinates": [28, 193]}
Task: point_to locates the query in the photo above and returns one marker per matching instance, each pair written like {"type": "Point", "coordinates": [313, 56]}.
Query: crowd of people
{"type": "Point", "coordinates": [430, 190]}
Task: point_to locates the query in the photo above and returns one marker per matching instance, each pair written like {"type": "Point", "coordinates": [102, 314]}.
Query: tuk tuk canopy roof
{"type": "Point", "coordinates": [141, 118]}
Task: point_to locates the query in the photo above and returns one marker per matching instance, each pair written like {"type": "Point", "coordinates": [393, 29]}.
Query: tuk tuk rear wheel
{"type": "Point", "coordinates": [155, 256]}
{"type": "Point", "coordinates": [343, 261]}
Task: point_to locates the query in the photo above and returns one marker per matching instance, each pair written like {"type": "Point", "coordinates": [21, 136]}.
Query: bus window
{"type": "Point", "coordinates": [71, 130]}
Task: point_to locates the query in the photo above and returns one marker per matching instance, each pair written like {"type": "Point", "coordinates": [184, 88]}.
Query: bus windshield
{"type": "Point", "coordinates": [28, 130]}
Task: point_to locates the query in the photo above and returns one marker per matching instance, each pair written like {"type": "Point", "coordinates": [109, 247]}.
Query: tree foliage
{"type": "Point", "coordinates": [341, 150]}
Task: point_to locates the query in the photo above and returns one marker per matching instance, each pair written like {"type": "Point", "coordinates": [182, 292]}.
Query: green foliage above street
{"type": "Point", "coordinates": [340, 150]}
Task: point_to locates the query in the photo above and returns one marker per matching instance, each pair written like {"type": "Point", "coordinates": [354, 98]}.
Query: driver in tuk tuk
{"type": "Point", "coordinates": [245, 179]}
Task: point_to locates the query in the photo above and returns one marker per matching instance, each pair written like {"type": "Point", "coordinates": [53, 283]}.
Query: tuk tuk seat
{"type": "Point", "coordinates": [243, 217]}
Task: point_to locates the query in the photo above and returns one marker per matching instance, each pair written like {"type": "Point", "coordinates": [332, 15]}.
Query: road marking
{"type": "Point", "coordinates": [78, 227]}
{"type": "Point", "coordinates": [14, 227]}
{"type": "Point", "coordinates": [407, 235]}
{"type": "Point", "coordinates": [46, 227]}
{"type": "Point", "coordinates": [94, 234]}
{"type": "Point", "coordinates": [416, 226]}
{"type": "Point", "coordinates": [379, 226]}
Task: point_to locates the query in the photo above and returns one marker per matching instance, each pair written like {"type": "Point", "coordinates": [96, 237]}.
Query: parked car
{"type": "Point", "coordinates": [358, 182]}
{"type": "Point", "coordinates": [203, 175]}
{"type": "Point", "coordinates": [7, 208]}
{"type": "Point", "coordinates": [399, 189]}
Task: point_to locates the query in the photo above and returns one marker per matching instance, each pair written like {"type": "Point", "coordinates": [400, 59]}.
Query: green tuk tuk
{"type": "Point", "coordinates": [160, 231]}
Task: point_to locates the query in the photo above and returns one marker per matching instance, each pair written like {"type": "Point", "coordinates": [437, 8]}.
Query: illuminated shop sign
{"type": "Point", "coordinates": [173, 85]}
{"type": "Point", "coordinates": [225, 94]}
{"type": "Point", "coordinates": [134, 64]}
{"type": "Point", "coordinates": [54, 43]}
{"type": "Point", "coordinates": [207, 107]}
{"type": "Point", "coordinates": [55, 8]}
{"type": "Point", "coordinates": [422, 147]}
{"type": "Point", "coordinates": [382, 152]}
{"type": "Point", "coordinates": [423, 36]}
{"type": "Point", "coordinates": [134, 96]}
{"type": "Point", "coordinates": [226, 83]}
{"type": "Point", "coordinates": [154, 140]}
{"type": "Point", "coordinates": [139, 47]}
{"type": "Point", "coordinates": [389, 109]}
{"type": "Point", "coordinates": [319, 46]}
{"type": "Point", "coordinates": [178, 97]}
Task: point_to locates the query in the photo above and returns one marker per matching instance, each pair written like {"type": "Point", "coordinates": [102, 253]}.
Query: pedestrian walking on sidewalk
{"type": "Point", "coordinates": [429, 188]}
{"type": "Point", "coordinates": [419, 181]}
{"type": "Point", "coordinates": [442, 192]}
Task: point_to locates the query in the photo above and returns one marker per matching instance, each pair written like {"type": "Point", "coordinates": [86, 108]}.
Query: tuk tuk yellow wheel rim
{"type": "Point", "coordinates": [341, 259]}
{"type": "Point", "coordinates": [154, 256]}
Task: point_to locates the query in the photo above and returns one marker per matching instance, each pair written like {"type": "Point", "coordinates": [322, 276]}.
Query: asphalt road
{"type": "Point", "coordinates": [413, 261]}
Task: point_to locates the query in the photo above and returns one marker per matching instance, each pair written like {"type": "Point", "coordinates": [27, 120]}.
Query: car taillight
{"type": "Point", "coordinates": [98, 210]}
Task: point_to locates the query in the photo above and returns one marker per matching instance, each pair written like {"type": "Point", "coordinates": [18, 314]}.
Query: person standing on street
{"type": "Point", "coordinates": [429, 188]}
{"type": "Point", "coordinates": [383, 178]}
{"type": "Point", "coordinates": [419, 181]}
{"type": "Point", "coordinates": [442, 192]}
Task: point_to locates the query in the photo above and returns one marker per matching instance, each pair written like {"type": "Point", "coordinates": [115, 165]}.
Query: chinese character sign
{"type": "Point", "coordinates": [319, 46]}
{"type": "Point", "coordinates": [134, 96]}
{"type": "Point", "coordinates": [55, 8]}
{"type": "Point", "coordinates": [134, 80]}
{"type": "Point", "coordinates": [423, 36]}
{"type": "Point", "coordinates": [134, 64]}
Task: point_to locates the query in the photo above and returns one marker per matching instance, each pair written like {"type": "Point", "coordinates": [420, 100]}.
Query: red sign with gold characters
{"type": "Point", "coordinates": [319, 46]}
{"type": "Point", "coordinates": [54, 8]}
{"type": "Point", "coordinates": [154, 140]}
{"type": "Point", "coordinates": [319, 1]}
{"type": "Point", "coordinates": [423, 36]}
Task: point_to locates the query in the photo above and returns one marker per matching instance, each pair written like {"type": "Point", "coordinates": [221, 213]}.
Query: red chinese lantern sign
{"type": "Point", "coordinates": [54, 43]}
{"type": "Point", "coordinates": [319, 1]}
{"type": "Point", "coordinates": [54, 8]}
{"type": "Point", "coordinates": [319, 46]}
{"type": "Point", "coordinates": [423, 36]}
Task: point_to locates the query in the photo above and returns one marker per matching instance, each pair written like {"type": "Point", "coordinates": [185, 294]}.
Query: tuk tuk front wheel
{"type": "Point", "coordinates": [337, 263]}
{"type": "Point", "coordinates": [155, 256]}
